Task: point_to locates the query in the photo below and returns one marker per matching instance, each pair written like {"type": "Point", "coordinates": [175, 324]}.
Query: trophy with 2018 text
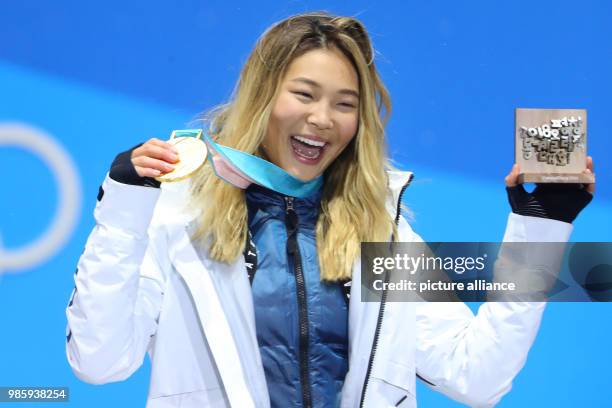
{"type": "Point", "coordinates": [551, 145]}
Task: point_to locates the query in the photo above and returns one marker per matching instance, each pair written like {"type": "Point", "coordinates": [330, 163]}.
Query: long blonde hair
{"type": "Point", "coordinates": [355, 188]}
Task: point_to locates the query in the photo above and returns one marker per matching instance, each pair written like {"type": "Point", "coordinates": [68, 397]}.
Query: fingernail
{"type": "Point", "coordinates": [156, 172]}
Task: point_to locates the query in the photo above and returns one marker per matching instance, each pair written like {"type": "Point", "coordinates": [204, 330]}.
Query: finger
{"type": "Point", "coordinates": [590, 163]}
{"type": "Point", "coordinates": [151, 163]}
{"type": "Point", "coordinates": [147, 172]}
{"type": "Point", "coordinates": [156, 152]}
{"type": "Point", "coordinates": [156, 142]}
{"type": "Point", "coordinates": [148, 147]}
{"type": "Point", "coordinates": [144, 146]}
{"type": "Point", "coordinates": [512, 177]}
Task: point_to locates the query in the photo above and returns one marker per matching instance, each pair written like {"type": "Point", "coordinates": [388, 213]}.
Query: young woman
{"type": "Point", "coordinates": [240, 298]}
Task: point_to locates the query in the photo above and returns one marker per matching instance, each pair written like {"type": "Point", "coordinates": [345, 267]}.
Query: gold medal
{"type": "Point", "coordinates": [192, 154]}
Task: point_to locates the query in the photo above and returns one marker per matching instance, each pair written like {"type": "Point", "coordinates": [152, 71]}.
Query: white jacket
{"type": "Point", "coordinates": [143, 287]}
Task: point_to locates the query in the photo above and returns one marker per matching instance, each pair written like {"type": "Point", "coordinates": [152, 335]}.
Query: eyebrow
{"type": "Point", "coordinates": [317, 85]}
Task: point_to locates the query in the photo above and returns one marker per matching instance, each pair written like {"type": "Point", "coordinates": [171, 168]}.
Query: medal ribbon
{"type": "Point", "coordinates": [242, 169]}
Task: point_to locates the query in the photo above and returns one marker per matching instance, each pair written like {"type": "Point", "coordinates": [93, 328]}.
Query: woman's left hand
{"type": "Point", "coordinates": [562, 201]}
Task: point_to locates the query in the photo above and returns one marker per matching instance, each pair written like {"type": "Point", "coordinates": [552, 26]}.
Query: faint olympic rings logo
{"type": "Point", "coordinates": [65, 173]}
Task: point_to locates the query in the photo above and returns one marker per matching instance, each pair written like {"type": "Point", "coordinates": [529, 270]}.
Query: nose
{"type": "Point", "coordinates": [320, 116]}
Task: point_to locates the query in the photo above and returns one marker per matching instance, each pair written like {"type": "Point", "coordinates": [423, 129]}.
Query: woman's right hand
{"type": "Point", "coordinates": [154, 158]}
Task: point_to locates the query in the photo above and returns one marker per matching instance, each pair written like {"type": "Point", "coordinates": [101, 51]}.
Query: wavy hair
{"type": "Point", "coordinates": [355, 187]}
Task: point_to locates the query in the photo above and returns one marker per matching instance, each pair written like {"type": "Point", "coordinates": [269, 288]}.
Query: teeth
{"type": "Point", "coordinates": [309, 141]}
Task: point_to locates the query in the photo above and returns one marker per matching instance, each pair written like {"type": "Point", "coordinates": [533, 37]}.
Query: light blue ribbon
{"type": "Point", "coordinates": [261, 171]}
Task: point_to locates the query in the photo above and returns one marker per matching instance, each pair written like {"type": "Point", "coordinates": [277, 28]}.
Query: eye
{"type": "Point", "coordinates": [302, 94]}
{"type": "Point", "coordinates": [347, 105]}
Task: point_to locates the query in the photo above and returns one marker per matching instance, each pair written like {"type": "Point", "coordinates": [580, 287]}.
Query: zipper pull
{"type": "Point", "coordinates": [289, 204]}
{"type": "Point", "coordinates": [291, 223]}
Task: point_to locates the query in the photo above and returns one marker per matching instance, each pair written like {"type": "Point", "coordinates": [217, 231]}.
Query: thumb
{"type": "Point", "coordinates": [512, 177]}
{"type": "Point", "coordinates": [590, 187]}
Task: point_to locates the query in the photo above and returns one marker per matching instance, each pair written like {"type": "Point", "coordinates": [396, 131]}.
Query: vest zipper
{"type": "Point", "coordinates": [381, 311]}
{"type": "Point", "coordinates": [293, 250]}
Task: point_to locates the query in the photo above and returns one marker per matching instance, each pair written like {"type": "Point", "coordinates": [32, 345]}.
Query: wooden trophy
{"type": "Point", "coordinates": [550, 145]}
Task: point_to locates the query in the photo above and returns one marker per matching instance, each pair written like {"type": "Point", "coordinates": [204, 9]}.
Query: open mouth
{"type": "Point", "coordinates": [307, 149]}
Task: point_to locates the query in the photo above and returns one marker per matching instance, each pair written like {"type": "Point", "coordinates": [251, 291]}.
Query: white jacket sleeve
{"type": "Point", "coordinates": [113, 310]}
{"type": "Point", "coordinates": [473, 359]}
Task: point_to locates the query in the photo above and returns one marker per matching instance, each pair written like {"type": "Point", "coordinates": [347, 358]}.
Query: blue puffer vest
{"type": "Point", "coordinates": [302, 323]}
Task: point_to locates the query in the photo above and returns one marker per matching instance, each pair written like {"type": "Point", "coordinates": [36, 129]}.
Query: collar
{"type": "Point", "coordinates": [273, 203]}
{"type": "Point", "coordinates": [175, 195]}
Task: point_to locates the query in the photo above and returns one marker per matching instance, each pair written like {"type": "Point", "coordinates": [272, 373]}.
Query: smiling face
{"type": "Point", "coordinates": [315, 114]}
